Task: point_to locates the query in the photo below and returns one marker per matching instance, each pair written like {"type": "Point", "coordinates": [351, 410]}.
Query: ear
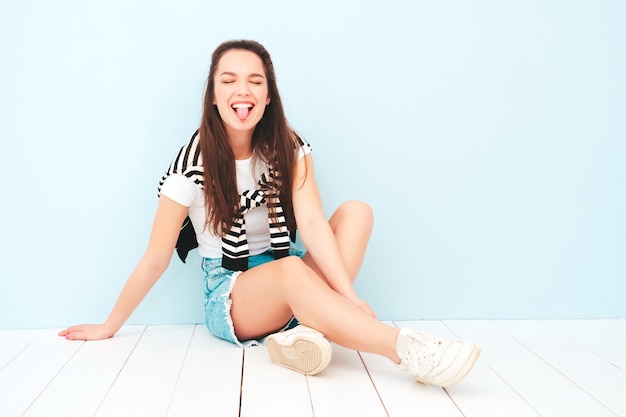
{"type": "Point", "coordinates": [268, 101]}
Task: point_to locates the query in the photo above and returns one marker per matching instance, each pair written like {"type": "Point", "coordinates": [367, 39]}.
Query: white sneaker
{"type": "Point", "coordinates": [300, 349]}
{"type": "Point", "coordinates": [434, 360]}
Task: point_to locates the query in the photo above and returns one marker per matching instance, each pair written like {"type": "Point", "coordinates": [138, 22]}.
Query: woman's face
{"type": "Point", "coordinates": [240, 92]}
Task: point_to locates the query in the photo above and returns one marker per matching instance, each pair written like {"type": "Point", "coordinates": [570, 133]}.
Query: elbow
{"type": "Point", "coordinates": [156, 263]}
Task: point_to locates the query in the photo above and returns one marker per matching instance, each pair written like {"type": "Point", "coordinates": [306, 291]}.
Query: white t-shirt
{"type": "Point", "coordinates": [184, 191]}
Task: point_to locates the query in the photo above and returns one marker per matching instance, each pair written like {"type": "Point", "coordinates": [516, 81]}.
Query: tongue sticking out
{"type": "Point", "coordinates": [242, 112]}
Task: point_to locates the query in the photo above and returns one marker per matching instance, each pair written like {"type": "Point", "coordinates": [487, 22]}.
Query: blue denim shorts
{"type": "Point", "coordinates": [218, 285]}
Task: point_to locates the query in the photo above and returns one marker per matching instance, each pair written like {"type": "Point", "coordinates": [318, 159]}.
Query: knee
{"type": "Point", "coordinates": [291, 266]}
{"type": "Point", "coordinates": [358, 211]}
{"type": "Point", "coordinates": [294, 271]}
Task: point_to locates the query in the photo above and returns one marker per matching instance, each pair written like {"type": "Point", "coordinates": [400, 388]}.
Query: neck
{"type": "Point", "coordinates": [241, 144]}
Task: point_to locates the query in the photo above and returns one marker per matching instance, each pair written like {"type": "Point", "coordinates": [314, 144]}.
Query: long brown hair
{"type": "Point", "coordinates": [272, 141]}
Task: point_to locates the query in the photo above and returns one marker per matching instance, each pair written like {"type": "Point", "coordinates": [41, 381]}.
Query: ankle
{"type": "Point", "coordinates": [396, 343]}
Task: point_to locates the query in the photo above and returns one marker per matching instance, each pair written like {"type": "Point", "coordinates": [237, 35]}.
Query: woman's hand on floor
{"type": "Point", "coordinates": [87, 332]}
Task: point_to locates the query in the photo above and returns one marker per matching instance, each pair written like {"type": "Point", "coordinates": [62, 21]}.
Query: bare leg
{"type": "Point", "coordinates": [352, 224]}
{"type": "Point", "coordinates": [265, 297]}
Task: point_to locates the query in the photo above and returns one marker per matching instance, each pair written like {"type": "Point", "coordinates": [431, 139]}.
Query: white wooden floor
{"type": "Point", "coordinates": [527, 368]}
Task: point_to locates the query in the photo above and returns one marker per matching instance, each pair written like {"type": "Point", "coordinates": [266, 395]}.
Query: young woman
{"type": "Point", "coordinates": [239, 187]}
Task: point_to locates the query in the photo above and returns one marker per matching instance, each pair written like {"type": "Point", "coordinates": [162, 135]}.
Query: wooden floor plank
{"type": "Point", "coordinates": [146, 384]}
{"type": "Point", "coordinates": [210, 380]}
{"type": "Point", "coordinates": [598, 377]}
{"type": "Point", "coordinates": [13, 342]}
{"type": "Point", "coordinates": [402, 395]}
{"type": "Point", "coordinates": [482, 393]}
{"type": "Point", "coordinates": [539, 384]}
{"type": "Point", "coordinates": [527, 368]}
{"type": "Point", "coordinates": [344, 388]}
{"type": "Point", "coordinates": [84, 381]}
{"type": "Point", "coordinates": [26, 376]}
{"type": "Point", "coordinates": [271, 390]}
{"type": "Point", "coordinates": [606, 338]}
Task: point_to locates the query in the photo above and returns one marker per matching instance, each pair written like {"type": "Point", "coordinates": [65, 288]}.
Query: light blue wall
{"type": "Point", "coordinates": [489, 137]}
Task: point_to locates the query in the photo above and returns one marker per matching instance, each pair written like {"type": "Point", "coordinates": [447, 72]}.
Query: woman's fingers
{"type": "Point", "coordinates": [85, 332]}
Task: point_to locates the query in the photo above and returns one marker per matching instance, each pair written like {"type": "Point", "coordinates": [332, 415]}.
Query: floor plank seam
{"type": "Point", "coordinates": [119, 372]}
{"type": "Point", "coordinates": [20, 352]}
{"type": "Point", "coordinates": [308, 388]}
{"type": "Point", "coordinates": [541, 358]}
{"type": "Point", "coordinates": [593, 352]}
{"type": "Point", "coordinates": [373, 383]}
{"type": "Point", "coordinates": [501, 378]}
{"type": "Point", "coordinates": [53, 378]}
{"type": "Point", "coordinates": [454, 402]}
{"type": "Point", "coordinates": [180, 371]}
{"type": "Point", "coordinates": [243, 367]}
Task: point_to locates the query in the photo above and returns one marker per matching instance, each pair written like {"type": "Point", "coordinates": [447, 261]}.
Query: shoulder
{"type": "Point", "coordinates": [303, 147]}
{"type": "Point", "coordinates": [189, 154]}
{"type": "Point", "coordinates": [187, 162]}
{"type": "Point", "coordinates": [299, 141]}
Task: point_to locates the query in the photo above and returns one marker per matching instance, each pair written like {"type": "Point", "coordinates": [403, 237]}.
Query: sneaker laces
{"type": "Point", "coordinates": [423, 350]}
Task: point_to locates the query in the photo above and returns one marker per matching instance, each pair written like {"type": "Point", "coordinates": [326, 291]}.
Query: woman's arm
{"type": "Point", "coordinates": [316, 233]}
{"type": "Point", "coordinates": [165, 230]}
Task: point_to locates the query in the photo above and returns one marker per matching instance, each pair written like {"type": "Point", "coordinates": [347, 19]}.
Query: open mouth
{"type": "Point", "coordinates": [242, 110]}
